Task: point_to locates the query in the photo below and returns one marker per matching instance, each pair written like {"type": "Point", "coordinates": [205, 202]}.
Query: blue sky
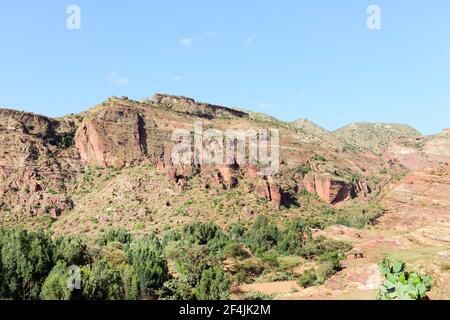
{"type": "Point", "coordinates": [291, 59]}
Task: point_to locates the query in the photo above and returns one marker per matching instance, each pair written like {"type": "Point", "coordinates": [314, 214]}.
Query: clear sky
{"type": "Point", "coordinates": [291, 59]}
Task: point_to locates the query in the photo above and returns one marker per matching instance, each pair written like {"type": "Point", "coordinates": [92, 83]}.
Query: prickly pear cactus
{"type": "Point", "coordinates": [402, 285]}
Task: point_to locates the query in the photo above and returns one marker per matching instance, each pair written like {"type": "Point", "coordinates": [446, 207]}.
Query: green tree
{"type": "Point", "coordinates": [214, 285]}
{"type": "Point", "coordinates": [25, 261]}
{"type": "Point", "coordinates": [71, 249]}
{"type": "Point", "coordinates": [294, 237]}
{"type": "Point", "coordinates": [262, 235]}
{"type": "Point", "coordinates": [115, 235]}
{"type": "Point", "coordinates": [146, 257]}
{"type": "Point", "coordinates": [130, 282]}
{"type": "Point", "coordinates": [308, 278]}
{"type": "Point", "coordinates": [55, 286]}
{"type": "Point", "coordinates": [100, 281]}
{"type": "Point", "coordinates": [191, 261]}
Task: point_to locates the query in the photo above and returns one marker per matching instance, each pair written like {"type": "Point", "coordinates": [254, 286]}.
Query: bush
{"type": "Point", "coordinates": [151, 268]}
{"type": "Point", "coordinates": [101, 281]}
{"type": "Point", "coordinates": [70, 249]}
{"type": "Point", "coordinates": [115, 235]}
{"type": "Point", "coordinates": [294, 237]}
{"type": "Point", "coordinates": [247, 270]}
{"type": "Point", "coordinates": [359, 216]}
{"type": "Point", "coordinates": [201, 233]}
{"type": "Point", "coordinates": [308, 278]}
{"type": "Point", "coordinates": [259, 296]}
{"type": "Point", "coordinates": [262, 235]}
{"type": "Point", "coordinates": [26, 260]}
{"type": "Point", "coordinates": [320, 246]}
{"type": "Point", "coordinates": [235, 250]}
{"type": "Point", "coordinates": [236, 231]}
{"type": "Point", "coordinates": [214, 285]}
{"type": "Point", "coordinates": [55, 286]}
{"type": "Point", "coordinates": [130, 282]}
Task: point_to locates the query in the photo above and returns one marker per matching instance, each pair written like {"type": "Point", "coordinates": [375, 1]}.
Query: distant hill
{"type": "Point", "coordinates": [312, 133]}
{"type": "Point", "coordinates": [362, 136]}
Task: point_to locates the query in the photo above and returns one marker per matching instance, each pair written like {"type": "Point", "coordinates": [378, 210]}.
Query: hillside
{"type": "Point", "coordinates": [373, 136]}
{"type": "Point", "coordinates": [113, 166]}
{"type": "Point", "coordinates": [311, 133]}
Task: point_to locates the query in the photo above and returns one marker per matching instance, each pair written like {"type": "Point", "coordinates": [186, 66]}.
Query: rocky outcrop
{"type": "Point", "coordinates": [330, 189]}
{"type": "Point", "coordinates": [438, 147]}
{"type": "Point", "coordinates": [115, 137]}
{"type": "Point", "coordinates": [198, 109]}
{"type": "Point", "coordinates": [32, 181]}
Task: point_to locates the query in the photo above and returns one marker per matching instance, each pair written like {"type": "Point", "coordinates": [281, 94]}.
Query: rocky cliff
{"type": "Point", "coordinates": [47, 165]}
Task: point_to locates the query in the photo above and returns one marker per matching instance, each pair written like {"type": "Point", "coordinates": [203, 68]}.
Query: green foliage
{"type": "Point", "coordinates": [321, 246]}
{"type": "Point", "coordinates": [214, 285]}
{"type": "Point", "coordinates": [402, 285]}
{"type": "Point", "coordinates": [236, 231]}
{"type": "Point", "coordinates": [55, 286]}
{"type": "Point", "coordinates": [63, 140]}
{"type": "Point", "coordinates": [308, 278]}
{"type": "Point", "coordinates": [329, 264]}
{"type": "Point", "coordinates": [100, 281]}
{"type": "Point", "coordinates": [259, 296]}
{"type": "Point", "coordinates": [145, 256]}
{"type": "Point", "coordinates": [191, 261]}
{"type": "Point", "coordinates": [235, 250]}
{"type": "Point", "coordinates": [262, 235]}
{"type": "Point", "coordinates": [320, 157]}
{"type": "Point", "coordinates": [202, 233]}
{"type": "Point", "coordinates": [71, 249]}
{"type": "Point", "coordinates": [115, 235]}
{"type": "Point", "coordinates": [245, 271]}
{"type": "Point", "coordinates": [359, 216]}
{"type": "Point", "coordinates": [25, 262]}
{"type": "Point", "coordinates": [130, 282]}
{"type": "Point", "coordinates": [303, 170]}
{"type": "Point", "coordinates": [294, 237]}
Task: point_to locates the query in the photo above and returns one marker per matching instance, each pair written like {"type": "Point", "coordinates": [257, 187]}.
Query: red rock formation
{"type": "Point", "coordinates": [115, 137]}
{"type": "Point", "coordinates": [329, 189]}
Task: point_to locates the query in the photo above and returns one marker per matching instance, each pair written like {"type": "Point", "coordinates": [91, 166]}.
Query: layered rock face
{"type": "Point", "coordinates": [420, 203]}
{"type": "Point", "coordinates": [32, 180]}
{"type": "Point", "coordinates": [417, 153]}
{"type": "Point", "coordinates": [116, 137]}
{"type": "Point", "coordinates": [41, 158]}
{"type": "Point", "coordinates": [191, 107]}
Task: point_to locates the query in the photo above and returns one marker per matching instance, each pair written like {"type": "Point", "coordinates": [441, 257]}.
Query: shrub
{"type": "Point", "coordinates": [236, 231]}
{"type": "Point", "coordinates": [235, 250]}
{"type": "Point", "coordinates": [55, 285]}
{"type": "Point", "coordinates": [101, 281]}
{"type": "Point", "coordinates": [71, 249]}
{"type": "Point", "coordinates": [151, 268]}
{"type": "Point", "coordinates": [115, 235]}
{"type": "Point", "coordinates": [293, 237]}
{"type": "Point", "coordinates": [262, 235]}
{"type": "Point", "coordinates": [191, 261]}
{"type": "Point", "coordinates": [130, 282]}
{"type": "Point", "coordinates": [259, 296]}
{"type": "Point", "coordinates": [214, 285]}
{"type": "Point", "coordinates": [25, 263]}
{"type": "Point", "coordinates": [202, 233]}
{"type": "Point", "coordinates": [308, 278]}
